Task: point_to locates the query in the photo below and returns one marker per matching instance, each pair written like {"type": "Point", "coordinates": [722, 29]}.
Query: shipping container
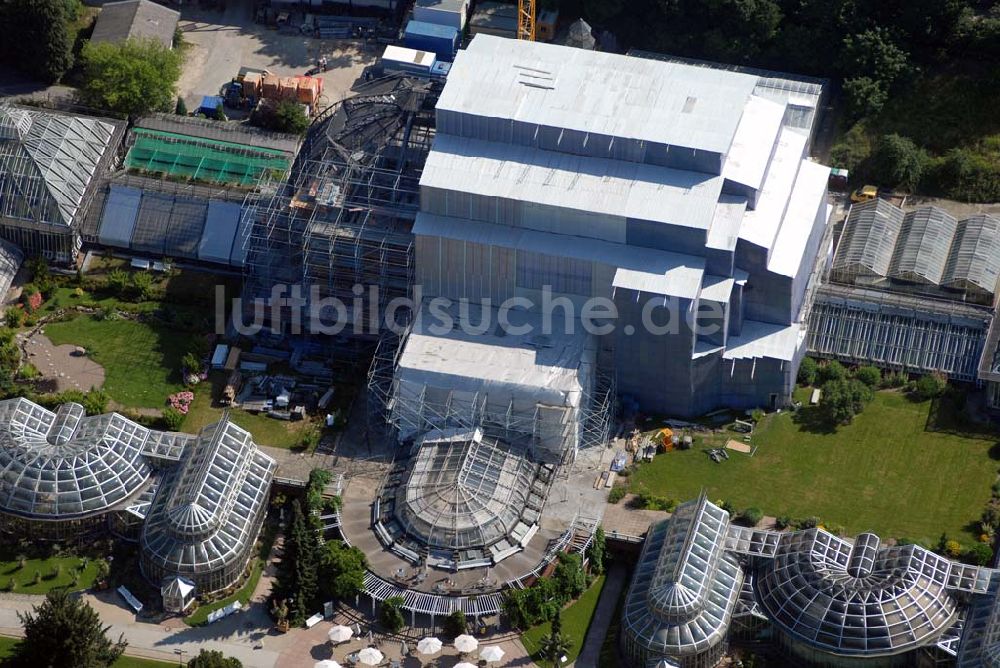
{"type": "Point", "coordinates": [308, 89]}
{"type": "Point", "coordinates": [438, 39]}
{"type": "Point", "coordinates": [288, 88]}
{"type": "Point", "coordinates": [451, 13]}
{"type": "Point", "coordinates": [252, 84]}
{"type": "Point", "coordinates": [271, 86]}
{"type": "Point", "coordinates": [399, 59]}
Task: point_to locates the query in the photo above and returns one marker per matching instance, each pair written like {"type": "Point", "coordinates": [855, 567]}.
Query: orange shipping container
{"type": "Point", "coordinates": [271, 86]}
{"type": "Point", "coordinates": [308, 90]}
{"type": "Point", "coordinates": [251, 84]}
{"type": "Point", "coordinates": [289, 88]}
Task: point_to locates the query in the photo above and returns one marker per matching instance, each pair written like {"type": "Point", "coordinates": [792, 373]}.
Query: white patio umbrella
{"type": "Point", "coordinates": [491, 654]}
{"type": "Point", "coordinates": [465, 664]}
{"type": "Point", "coordinates": [327, 663]}
{"type": "Point", "coordinates": [429, 645]}
{"type": "Point", "coordinates": [466, 643]}
{"type": "Point", "coordinates": [370, 656]}
{"type": "Point", "coordinates": [340, 633]}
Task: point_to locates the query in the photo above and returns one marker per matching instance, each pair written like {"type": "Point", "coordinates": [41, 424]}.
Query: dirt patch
{"type": "Point", "coordinates": [63, 367]}
{"type": "Point", "coordinates": [219, 43]}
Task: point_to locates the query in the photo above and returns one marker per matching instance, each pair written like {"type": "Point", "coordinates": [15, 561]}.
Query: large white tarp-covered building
{"type": "Point", "coordinates": [680, 193]}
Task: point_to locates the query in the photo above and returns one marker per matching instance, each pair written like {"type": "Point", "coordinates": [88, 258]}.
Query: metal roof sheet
{"type": "Point", "coordinates": [760, 226]}
{"type": "Point", "coordinates": [799, 221]}
{"type": "Point", "coordinates": [923, 245]}
{"type": "Point", "coordinates": [221, 223]}
{"type": "Point", "coordinates": [750, 152]}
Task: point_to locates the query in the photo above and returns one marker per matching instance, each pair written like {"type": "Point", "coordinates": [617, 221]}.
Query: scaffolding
{"type": "Point", "coordinates": [344, 217]}
{"type": "Point", "coordinates": [898, 332]}
{"type": "Point", "coordinates": [553, 434]}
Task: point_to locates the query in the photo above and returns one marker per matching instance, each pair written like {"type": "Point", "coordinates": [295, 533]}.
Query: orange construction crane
{"type": "Point", "coordinates": [526, 20]}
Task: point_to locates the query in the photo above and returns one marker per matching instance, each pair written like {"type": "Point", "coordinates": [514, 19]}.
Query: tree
{"type": "Point", "coordinates": [869, 375]}
{"type": "Point", "coordinates": [843, 399]}
{"type": "Point", "coordinates": [391, 615]}
{"type": "Point", "coordinates": [341, 571]}
{"type": "Point", "coordinates": [304, 566]}
{"type": "Point", "coordinates": [569, 577]}
{"type": "Point", "coordinates": [38, 38]}
{"type": "Point", "coordinates": [181, 108]}
{"type": "Point", "coordinates": [212, 658]}
{"type": "Point", "coordinates": [553, 647]}
{"type": "Point", "coordinates": [286, 116]}
{"type": "Point", "coordinates": [807, 371]}
{"type": "Point", "coordinates": [865, 96]}
{"type": "Point", "coordinates": [66, 631]}
{"type": "Point", "coordinates": [118, 282]}
{"type": "Point", "coordinates": [455, 624]}
{"type": "Point", "coordinates": [898, 162]}
{"type": "Point", "coordinates": [135, 77]}
{"type": "Point", "coordinates": [596, 551]}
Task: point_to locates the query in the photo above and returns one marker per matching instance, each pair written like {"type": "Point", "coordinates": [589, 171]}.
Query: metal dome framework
{"type": "Point", "coordinates": [857, 599]}
{"type": "Point", "coordinates": [64, 465]}
{"type": "Point", "coordinates": [464, 490]}
{"type": "Point", "coordinates": [205, 517]}
{"type": "Point", "coordinates": [868, 240]}
{"type": "Point", "coordinates": [832, 601]}
{"type": "Point", "coordinates": [685, 588]}
{"type": "Point", "coordinates": [923, 246]}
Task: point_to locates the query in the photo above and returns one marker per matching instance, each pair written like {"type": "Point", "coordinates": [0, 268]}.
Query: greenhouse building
{"type": "Point", "coordinates": [204, 519]}
{"type": "Point", "coordinates": [63, 473]}
{"type": "Point", "coordinates": [823, 600]}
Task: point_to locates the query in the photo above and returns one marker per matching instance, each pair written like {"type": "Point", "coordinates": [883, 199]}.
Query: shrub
{"type": "Point", "coordinates": [14, 317]}
{"type": "Point", "coordinates": [832, 370]}
{"type": "Point", "coordinates": [869, 375]}
{"type": "Point", "coordinates": [133, 77]}
{"type": "Point", "coordinates": [782, 521]}
{"type": "Point", "coordinates": [616, 494]}
{"type": "Point", "coordinates": [286, 116]}
{"type": "Point", "coordinates": [172, 419]}
{"type": "Point", "coordinates": [750, 517]}
{"type": "Point", "coordinates": [898, 161]}
{"type": "Point", "coordinates": [118, 282]}
{"type": "Point", "coordinates": [930, 386]}
{"type": "Point", "coordinates": [952, 548]}
{"type": "Point", "coordinates": [808, 523]}
{"type": "Point", "coordinates": [181, 108]}
{"type": "Point", "coordinates": [808, 371]}
{"type": "Point", "coordinates": [979, 554]}
{"type": "Point", "coordinates": [191, 363]}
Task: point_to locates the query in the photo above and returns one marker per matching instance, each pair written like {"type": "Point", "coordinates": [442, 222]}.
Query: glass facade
{"type": "Point", "coordinates": [208, 510]}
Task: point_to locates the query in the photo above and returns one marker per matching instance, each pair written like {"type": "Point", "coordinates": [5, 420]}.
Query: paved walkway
{"type": "Point", "coordinates": [603, 615]}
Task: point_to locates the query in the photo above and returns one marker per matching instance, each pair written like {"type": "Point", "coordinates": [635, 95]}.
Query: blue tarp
{"type": "Point", "coordinates": [209, 104]}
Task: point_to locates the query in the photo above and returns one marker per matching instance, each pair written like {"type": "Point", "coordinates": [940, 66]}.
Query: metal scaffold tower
{"type": "Point", "coordinates": [342, 221]}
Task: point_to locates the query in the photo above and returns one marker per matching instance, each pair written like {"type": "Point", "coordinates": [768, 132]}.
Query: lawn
{"type": "Point", "coordinates": [884, 472]}
{"type": "Point", "coordinates": [24, 578]}
{"type": "Point", "coordinates": [575, 623]}
{"type": "Point", "coordinates": [141, 361]}
{"type": "Point", "coordinates": [7, 645]}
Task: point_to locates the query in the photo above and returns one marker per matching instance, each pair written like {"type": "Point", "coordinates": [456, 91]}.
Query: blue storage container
{"type": "Point", "coordinates": [437, 39]}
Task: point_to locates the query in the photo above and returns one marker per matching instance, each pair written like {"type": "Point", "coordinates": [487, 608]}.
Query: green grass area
{"type": "Point", "coordinates": [575, 623]}
{"type": "Point", "coordinates": [24, 578]}
{"type": "Point", "coordinates": [7, 645]}
{"type": "Point", "coordinates": [141, 361]}
{"type": "Point", "coordinates": [244, 593]}
{"type": "Point", "coordinates": [885, 472]}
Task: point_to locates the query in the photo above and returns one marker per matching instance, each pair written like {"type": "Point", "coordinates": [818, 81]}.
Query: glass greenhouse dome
{"type": "Point", "coordinates": [464, 490]}
{"type": "Point", "coordinates": [204, 519]}
{"type": "Point", "coordinates": [64, 465]}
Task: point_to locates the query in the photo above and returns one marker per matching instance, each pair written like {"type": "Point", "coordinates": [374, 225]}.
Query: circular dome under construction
{"type": "Point", "coordinates": [464, 491]}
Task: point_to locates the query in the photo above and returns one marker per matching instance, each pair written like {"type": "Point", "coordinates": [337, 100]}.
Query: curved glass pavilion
{"type": "Point", "coordinates": [61, 471]}
{"type": "Point", "coordinates": [830, 601]}
{"type": "Point", "coordinates": [467, 493]}
{"type": "Point", "coordinates": [204, 519]}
